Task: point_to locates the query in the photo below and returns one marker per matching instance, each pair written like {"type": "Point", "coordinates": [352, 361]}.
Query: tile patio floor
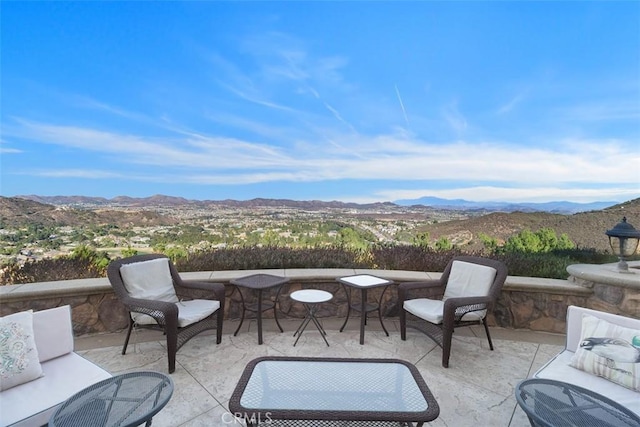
{"type": "Point", "coordinates": [476, 390]}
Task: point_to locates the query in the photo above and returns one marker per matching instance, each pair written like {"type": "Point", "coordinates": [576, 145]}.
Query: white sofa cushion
{"type": "Point", "coordinates": [149, 280]}
{"type": "Point", "coordinates": [53, 332]}
{"type": "Point", "coordinates": [19, 361]}
{"type": "Point", "coordinates": [37, 400]}
{"type": "Point", "coordinates": [189, 312]}
{"type": "Point", "coordinates": [559, 369]}
{"type": "Point", "coordinates": [609, 351]}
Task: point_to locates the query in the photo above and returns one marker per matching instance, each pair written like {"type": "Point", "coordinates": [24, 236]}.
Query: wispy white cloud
{"type": "Point", "coordinates": [454, 117]}
{"type": "Point", "coordinates": [76, 173]}
{"type": "Point", "coordinates": [281, 63]}
{"type": "Point", "coordinates": [4, 149]}
{"type": "Point", "coordinates": [404, 112]}
{"type": "Point", "coordinates": [512, 103]}
{"type": "Point", "coordinates": [384, 157]}
{"type": "Point", "coordinates": [604, 110]}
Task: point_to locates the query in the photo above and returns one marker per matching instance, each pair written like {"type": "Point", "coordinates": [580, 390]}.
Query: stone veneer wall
{"type": "Point", "coordinates": [525, 303]}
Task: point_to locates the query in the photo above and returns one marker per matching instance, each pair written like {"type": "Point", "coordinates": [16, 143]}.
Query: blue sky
{"type": "Point", "coordinates": [354, 101]}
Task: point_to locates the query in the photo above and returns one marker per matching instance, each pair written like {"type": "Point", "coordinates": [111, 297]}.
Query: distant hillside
{"type": "Point", "coordinates": [16, 212]}
{"type": "Point", "coordinates": [167, 201]}
{"type": "Point", "coordinates": [586, 229]}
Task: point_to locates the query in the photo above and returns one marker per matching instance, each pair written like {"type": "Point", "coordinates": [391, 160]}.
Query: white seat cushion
{"type": "Point", "coordinates": [427, 309]}
{"type": "Point", "coordinates": [189, 312]}
{"type": "Point", "coordinates": [559, 369]}
{"type": "Point", "coordinates": [33, 403]}
{"type": "Point", "coordinates": [149, 280]}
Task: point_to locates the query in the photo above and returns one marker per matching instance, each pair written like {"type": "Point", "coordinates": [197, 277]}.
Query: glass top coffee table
{"type": "Point", "coordinates": [331, 391]}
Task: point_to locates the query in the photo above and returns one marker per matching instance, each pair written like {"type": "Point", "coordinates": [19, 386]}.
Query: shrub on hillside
{"type": "Point", "coordinates": [50, 269]}
{"type": "Point", "coordinates": [83, 264]}
{"type": "Point", "coordinates": [412, 258]}
{"type": "Point", "coordinates": [251, 258]}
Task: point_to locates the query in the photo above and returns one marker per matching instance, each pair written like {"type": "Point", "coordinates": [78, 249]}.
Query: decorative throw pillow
{"type": "Point", "coordinates": [18, 352]}
{"type": "Point", "coordinates": [609, 351]}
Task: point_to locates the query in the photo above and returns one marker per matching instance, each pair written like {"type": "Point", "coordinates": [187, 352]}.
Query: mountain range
{"type": "Point", "coordinates": [561, 207]}
{"type": "Point", "coordinates": [461, 204]}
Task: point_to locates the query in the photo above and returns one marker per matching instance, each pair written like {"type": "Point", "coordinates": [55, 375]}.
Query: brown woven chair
{"type": "Point", "coordinates": [166, 314]}
{"type": "Point", "coordinates": [461, 299]}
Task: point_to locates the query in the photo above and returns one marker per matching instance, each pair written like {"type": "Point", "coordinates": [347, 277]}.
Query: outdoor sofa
{"type": "Point", "coordinates": [63, 372]}
{"type": "Point", "coordinates": [559, 367]}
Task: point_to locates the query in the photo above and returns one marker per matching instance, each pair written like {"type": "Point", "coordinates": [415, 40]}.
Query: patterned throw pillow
{"type": "Point", "coordinates": [609, 351]}
{"type": "Point", "coordinates": [18, 353]}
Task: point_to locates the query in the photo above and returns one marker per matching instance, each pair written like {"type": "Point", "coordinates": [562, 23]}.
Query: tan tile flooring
{"type": "Point", "coordinates": [476, 390]}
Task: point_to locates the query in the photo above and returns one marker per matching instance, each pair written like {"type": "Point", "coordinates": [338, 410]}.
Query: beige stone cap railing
{"type": "Point", "coordinates": [525, 302]}
{"type": "Point", "coordinates": [78, 287]}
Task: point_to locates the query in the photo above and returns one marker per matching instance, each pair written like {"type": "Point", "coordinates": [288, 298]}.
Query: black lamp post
{"type": "Point", "coordinates": [624, 240]}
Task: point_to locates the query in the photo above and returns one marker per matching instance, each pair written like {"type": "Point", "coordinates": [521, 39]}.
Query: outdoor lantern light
{"type": "Point", "coordinates": [624, 240]}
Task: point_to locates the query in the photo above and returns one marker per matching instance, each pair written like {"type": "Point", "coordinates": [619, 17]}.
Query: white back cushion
{"type": "Point", "coordinates": [469, 280]}
{"type": "Point", "coordinates": [149, 280]}
{"type": "Point", "coordinates": [53, 332]}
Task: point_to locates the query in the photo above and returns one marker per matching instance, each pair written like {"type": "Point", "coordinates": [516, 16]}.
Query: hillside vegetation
{"type": "Point", "coordinates": [585, 229]}
{"type": "Point", "coordinates": [462, 229]}
{"type": "Point", "coordinates": [358, 239]}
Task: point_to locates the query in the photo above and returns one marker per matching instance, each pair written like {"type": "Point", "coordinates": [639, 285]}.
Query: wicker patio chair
{"type": "Point", "coordinates": [157, 297]}
{"type": "Point", "coordinates": [467, 289]}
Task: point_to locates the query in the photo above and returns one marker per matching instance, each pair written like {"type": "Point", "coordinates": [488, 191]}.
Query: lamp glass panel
{"type": "Point", "coordinates": [629, 246]}
{"type": "Point", "coordinates": [625, 246]}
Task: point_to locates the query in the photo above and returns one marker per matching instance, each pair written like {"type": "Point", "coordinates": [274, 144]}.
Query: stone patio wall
{"type": "Point", "coordinates": [525, 303]}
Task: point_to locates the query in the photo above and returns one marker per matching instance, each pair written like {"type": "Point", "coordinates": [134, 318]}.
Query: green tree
{"type": "Point", "coordinates": [422, 240]}
{"type": "Point", "coordinates": [542, 241]}
{"type": "Point", "coordinates": [98, 259]}
{"type": "Point", "coordinates": [490, 243]}
{"type": "Point", "coordinates": [564, 242]}
{"type": "Point", "coordinates": [444, 244]}
{"type": "Point", "coordinates": [176, 253]}
{"type": "Point", "coordinates": [350, 238]}
{"type": "Point", "coordinates": [129, 251]}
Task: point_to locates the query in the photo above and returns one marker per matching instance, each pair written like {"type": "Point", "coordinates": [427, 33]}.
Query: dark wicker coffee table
{"type": "Point", "coordinates": [125, 400]}
{"type": "Point", "coordinates": [259, 282]}
{"type": "Point", "coordinates": [550, 403]}
{"type": "Point", "coordinates": [363, 282]}
{"type": "Point", "coordinates": [305, 391]}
